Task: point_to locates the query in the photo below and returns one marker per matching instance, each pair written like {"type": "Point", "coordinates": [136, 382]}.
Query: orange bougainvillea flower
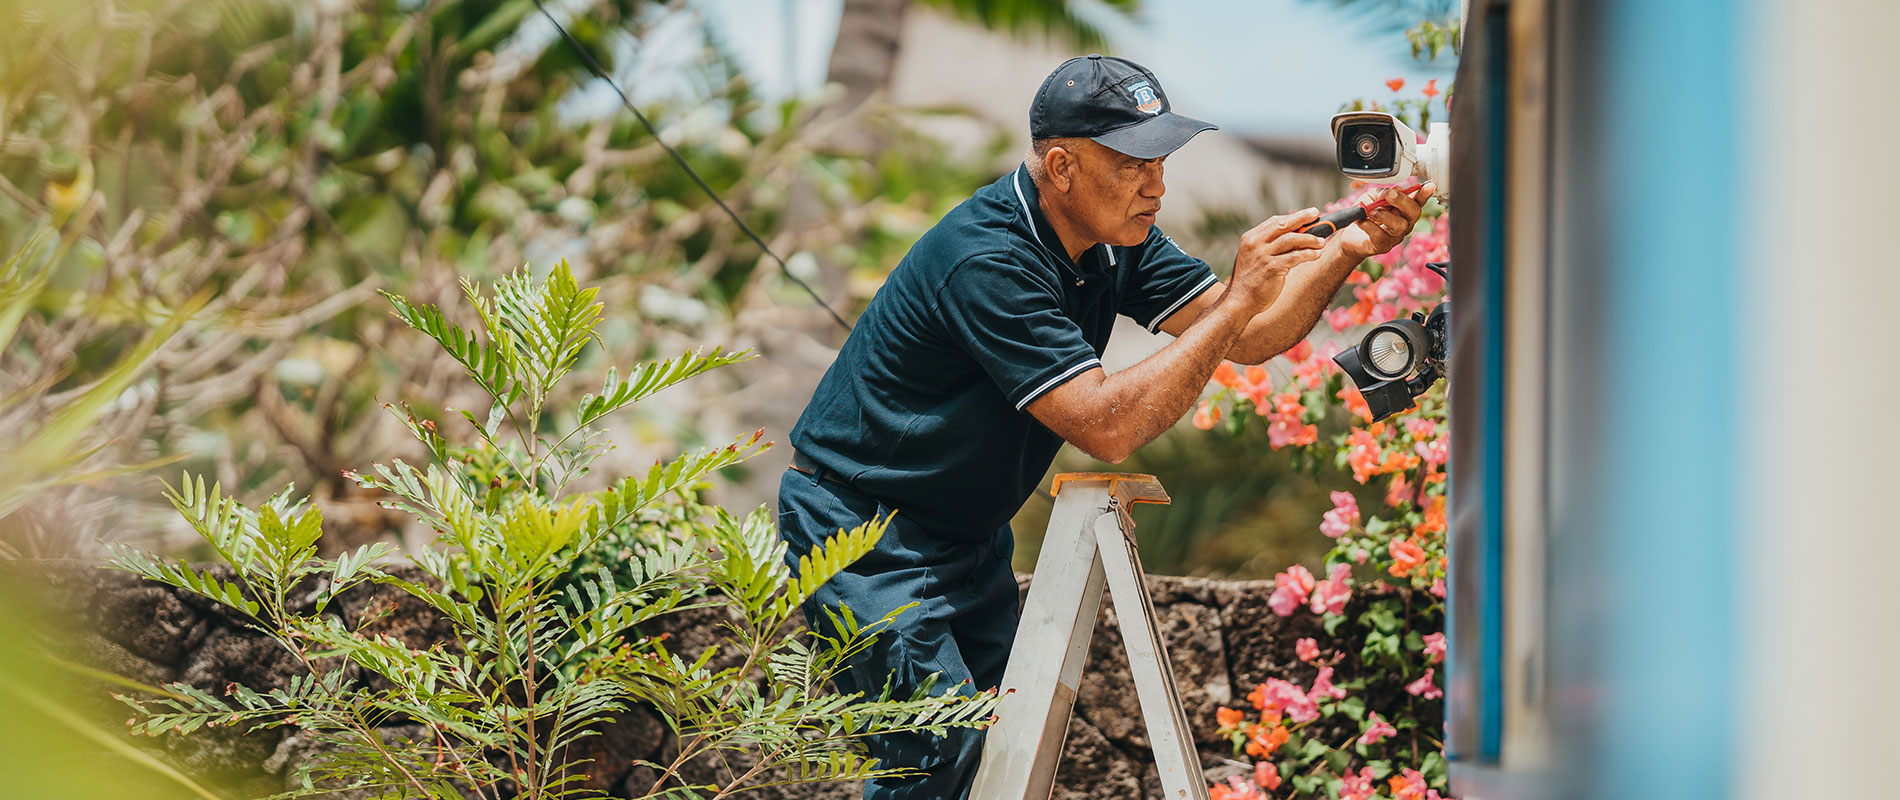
{"type": "Point", "coordinates": [1229, 718]}
{"type": "Point", "coordinates": [1395, 84]}
{"type": "Point", "coordinates": [1262, 741]}
{"type": "Point", "coordinates": [1355, 402]}
{"type": "Point", "coordinates": [1406, 557]}
{"type": "Point", "coordinates": [1398, 491]}
{"type": "Point", "coordinates": [1206, 416]}
{"type": "Point", "coordinates": [1227, 376]}
{"type": "Point", "coordinates": [1434, 516]}
{"type": "Point", "coordinates": [1364, 455]}
{"type": "Point", "coordinates": [1431, 88]}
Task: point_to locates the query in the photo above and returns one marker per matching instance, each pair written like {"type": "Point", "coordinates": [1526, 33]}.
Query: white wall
{"type": "Point", "coordinates": [1820, 704]}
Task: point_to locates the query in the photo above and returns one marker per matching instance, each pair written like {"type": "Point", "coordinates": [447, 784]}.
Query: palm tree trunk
{"type": "Point", "coordinates": [865, 55]}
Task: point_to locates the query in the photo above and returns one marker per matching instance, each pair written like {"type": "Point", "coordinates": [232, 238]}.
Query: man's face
{"type": "Point", "coordinates": [1114, 196]}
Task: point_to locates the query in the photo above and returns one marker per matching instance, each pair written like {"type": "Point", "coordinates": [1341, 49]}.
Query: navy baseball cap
{"type": "Point", "coordinates": [1115, 102]}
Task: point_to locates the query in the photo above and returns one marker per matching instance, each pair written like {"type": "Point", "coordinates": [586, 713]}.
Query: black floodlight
{"type": "Point", "coordinates": [1400, 359]}
{"type": "Point", "coordinates": [1395, 350]}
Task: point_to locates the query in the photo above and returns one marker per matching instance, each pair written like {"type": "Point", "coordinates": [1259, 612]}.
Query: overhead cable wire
{"type": "Point", "coordinates": [594, 67]}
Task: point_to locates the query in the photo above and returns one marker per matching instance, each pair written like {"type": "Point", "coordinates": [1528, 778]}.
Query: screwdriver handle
{"type": "Point", "coordinates": [1331, 223]}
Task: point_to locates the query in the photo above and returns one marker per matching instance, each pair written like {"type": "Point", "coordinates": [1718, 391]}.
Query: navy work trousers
{"type": "Point", "coordinates": [962, 627]}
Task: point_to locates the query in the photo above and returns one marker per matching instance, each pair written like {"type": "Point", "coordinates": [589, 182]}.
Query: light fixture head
{"type": "Point", "coordinates": [1395, 350]}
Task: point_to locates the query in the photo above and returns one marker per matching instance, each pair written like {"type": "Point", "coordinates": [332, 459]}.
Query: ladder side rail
{"type": "Point", "coordinates": [1023, 748]}
{"type": "Point", "coordinates": [1176, 758]}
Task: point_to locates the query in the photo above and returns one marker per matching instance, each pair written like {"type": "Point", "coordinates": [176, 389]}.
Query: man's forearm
{"type": "Point", "coordinates": [1128, 409]}
{"type": "Point", "coordinates": [1308, 291]}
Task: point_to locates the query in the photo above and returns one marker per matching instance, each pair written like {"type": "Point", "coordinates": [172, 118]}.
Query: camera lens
{"type": "Point", "coordinates": [1367, 146]}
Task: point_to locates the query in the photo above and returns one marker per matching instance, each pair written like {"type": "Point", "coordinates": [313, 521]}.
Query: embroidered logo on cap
{"type": "Point", "coordinates": [1146, 101]}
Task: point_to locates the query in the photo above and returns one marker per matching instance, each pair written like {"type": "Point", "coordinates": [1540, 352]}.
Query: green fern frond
{"type": "Point", "coordinates": [490, 363]}
{"type": "Point", "coordinates": [649, 378]}
{"type": "Point", "coordinates": [627, 497]}
{"type": "Point", "coordinates": [825, 561]}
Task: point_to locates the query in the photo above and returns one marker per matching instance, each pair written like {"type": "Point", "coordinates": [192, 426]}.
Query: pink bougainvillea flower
{"type": "Point", "coordinates": [1330, 595]}
{"type": "Point", "coordinates": [1280, 697]}
{"type": "Point", "coordinates": [1364, 454]}
{"type": "Point", "coordinates": [1306, 649]}
{"type": "Point", "coordinates": [1420, 427]}
{"type": "Point", "coordinates": [1206, 416]}
{"type": "Point", "coordinates": [1406, 557]}
{"type": "Point", "coordinates": [1233, 789]}
{"type": "Point", "coordinates": [1266, 776]}
{"type": "Point", "coordinates": [1285, 425]}
{"type": "Point", "coordinates": [1423, 687]}
{"type": "Point", "coordinates": [1346, 504]}
{"type": "Point", "coordinates": [1431, 89]}
{"type": "Point", "coordinates": [1357, 787]}
{"type": "Point", "coordinates": [1323, 686]}
{"type": "Point", "coordinates": [1438, 588]}
{"type": "Point", "coordinates": [1360, 554]}
{"type": "Point", "coordinates": [1290, 589]}
{"type": "Point", "coordinates": [1301, 708]}
{"type": "Point", "coordinates": [1435, 451]}
{"type": "Point", "coordinates": [1299, 576]}
{"type": "Point", "coordinates": [1435, 647]}
{"type": "Point", "coordinates": [1376, 729]}
{"type": "Point", "coordinates": [1344, 515]}
{"type": "Point", "coordinates": [1313, 372]}
{"type": "Point", "coordinates": [1299, 353]}
{"type": "Point", "coordinates": [1395, 84]}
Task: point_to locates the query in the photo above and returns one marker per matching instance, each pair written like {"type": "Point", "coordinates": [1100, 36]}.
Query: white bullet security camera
{"type": "Point", "coordinates": [1375, 147]}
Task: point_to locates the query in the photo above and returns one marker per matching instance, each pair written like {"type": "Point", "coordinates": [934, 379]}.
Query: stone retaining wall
{"type": "Point", "coordinates": [1221, 637]}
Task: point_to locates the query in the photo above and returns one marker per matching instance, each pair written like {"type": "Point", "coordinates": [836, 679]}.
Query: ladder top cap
{"type": "Point", "coordinates": [1128, 487]}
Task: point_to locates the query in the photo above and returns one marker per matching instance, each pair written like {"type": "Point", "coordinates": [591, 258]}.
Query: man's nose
{"type": "Point", "coordinates": [1153, 186]}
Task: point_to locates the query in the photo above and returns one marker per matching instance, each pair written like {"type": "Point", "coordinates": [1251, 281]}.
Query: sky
{"type": "Point", "coordinates": [1269, 68]}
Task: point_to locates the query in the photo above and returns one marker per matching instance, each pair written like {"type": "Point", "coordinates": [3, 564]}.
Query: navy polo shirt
{"type": "Point", "coordinates": [923, 409]}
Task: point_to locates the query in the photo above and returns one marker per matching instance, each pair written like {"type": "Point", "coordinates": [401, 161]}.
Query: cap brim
{"type": "Point", "coordinates": [1154, 138]}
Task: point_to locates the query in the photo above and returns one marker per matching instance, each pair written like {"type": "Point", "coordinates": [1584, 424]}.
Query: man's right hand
{"type": "Point", "coordinates": [1271, 250]}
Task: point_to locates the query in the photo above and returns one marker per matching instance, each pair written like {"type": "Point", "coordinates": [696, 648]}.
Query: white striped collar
{"type": "Point", "coordinates": [1029, 217]}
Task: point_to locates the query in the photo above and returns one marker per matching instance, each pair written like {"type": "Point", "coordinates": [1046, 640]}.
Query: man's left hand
{"type": "Point", "coordinates": [1384, 227]}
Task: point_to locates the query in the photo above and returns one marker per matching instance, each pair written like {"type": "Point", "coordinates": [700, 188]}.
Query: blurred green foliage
{"type": "Point", "coordinates": [290, 159]}
{"type": "Point", "coordinates": [55, 744]}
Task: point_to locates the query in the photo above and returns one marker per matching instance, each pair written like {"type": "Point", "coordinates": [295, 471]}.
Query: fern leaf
{"type": "Point", "coordinates": [825, 561]}
{"type": "Point", "coordinates": [649, 378]}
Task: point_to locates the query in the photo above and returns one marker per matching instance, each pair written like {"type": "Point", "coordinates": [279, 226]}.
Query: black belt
{"type": "Point", "coordinates": [803, 463]}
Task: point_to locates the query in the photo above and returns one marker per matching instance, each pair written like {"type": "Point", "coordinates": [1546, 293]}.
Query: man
{"type": "Point", "coordinates": [981, 355]}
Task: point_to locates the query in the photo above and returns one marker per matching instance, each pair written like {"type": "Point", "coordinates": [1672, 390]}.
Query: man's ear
{"type": "Point", "coordinates": [1059, 165]}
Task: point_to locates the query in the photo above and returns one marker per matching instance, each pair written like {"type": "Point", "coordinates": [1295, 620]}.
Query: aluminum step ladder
{"type": "Point", "coordinates": [1089, 542]}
